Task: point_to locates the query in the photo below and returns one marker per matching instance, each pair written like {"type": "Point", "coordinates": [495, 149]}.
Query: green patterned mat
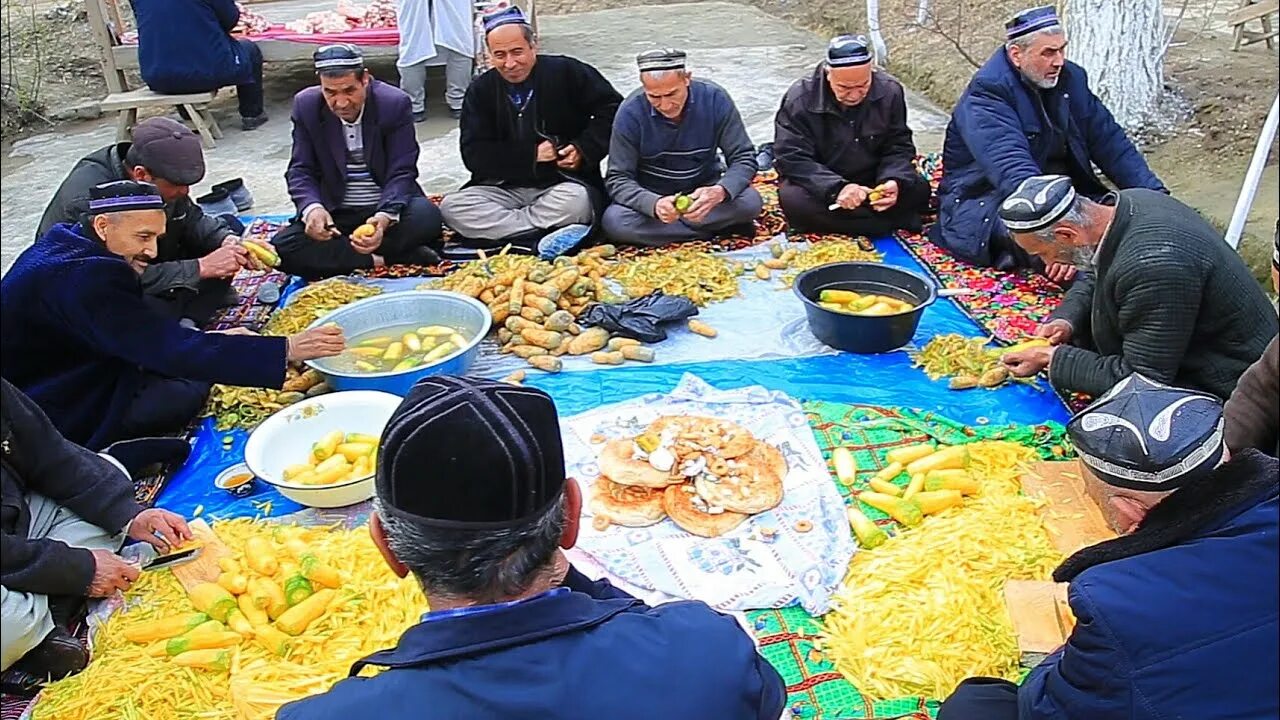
{"type": "Point", "coordinates": [815, 690]}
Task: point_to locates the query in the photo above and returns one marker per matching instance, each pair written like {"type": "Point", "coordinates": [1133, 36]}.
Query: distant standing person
{"type": "Point", "coordinates": [185, 46]}
{"type": "Point", "coordinates": [431, 29]}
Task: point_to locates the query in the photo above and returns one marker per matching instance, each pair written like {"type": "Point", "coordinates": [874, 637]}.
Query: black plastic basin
{"type": "Point", "coordinates": [863, 333]}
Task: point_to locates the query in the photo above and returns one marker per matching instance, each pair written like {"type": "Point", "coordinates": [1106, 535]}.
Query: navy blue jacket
{"type": "Point", "coordinates": [184, 45]}
{"type": "Point", "coordinates": [78, 338]}
{"type": "Point", "coordinates": [1002, 132]}
{"type": "Point", "coordinates": [1179, 618]}
{"type": "Point", "coordinates": [589, 654]}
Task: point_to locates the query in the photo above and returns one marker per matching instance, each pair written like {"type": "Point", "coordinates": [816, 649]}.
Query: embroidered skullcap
{"type": "Point", "coordinates": [1038, 203]}
{"type": "Point", "coordinates": [339, 56]}
{"type": "Point", "coordinates": [123, 196]}
{"type": "Point", "coordinates": [1029, 21]}
{"type": "Point", "coordinates": [471, 453]}
{"type": "Point", "coordinates": [507, 16]}
{"type": "Point", "coordinates": [1275, 254]}
{"type": "Point", "coordinates": [848, 51]}
{"type": "Point", "coordinates": [1143, 435]}
{"type": "Point", "coordinates": [661, 59]}
{"type": "Point", "coordinates": [167, 149]}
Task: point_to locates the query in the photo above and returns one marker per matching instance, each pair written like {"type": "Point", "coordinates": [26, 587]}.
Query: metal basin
{"type": "Point", "coordinates": [863, 333]}
{"type": "Point", "coordinates": [398, 309]}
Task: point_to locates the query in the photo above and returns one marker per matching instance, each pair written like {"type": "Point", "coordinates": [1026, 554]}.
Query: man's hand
{"type": "Point", "coordinates": [224, 262]}
{"type": "Point", "coordinates": [705, 199]}
{"type": "Point", "coordinates": [888, 196]}
{"type": "Point", "coordinates": [319, 224]}
{"type": "Point", "coordinates": [568, 158]}
{"type": "Point", "coordinates": [546, 152]}
{"type": "Point", "coordinates": [160, 529]}
{"type": "Point", "coordinates": [324, 341]}
{"type": "Point", "coordinates": [1060, 272]}
{"type": "Point", "coordinates": [852, 196]}
{"type": "Point", "coordinates": [1057, 332]}
{"type": "Point", "coordinates": [110, 573]}
{"type": "Point", "coordinates": [665, 210]}
{"type": "Point", "coordinates": [368, 245]}
{"type": "Point", "coordinates": [235, 331]}
{"type": "Point", "coordinates": [1026, 363]}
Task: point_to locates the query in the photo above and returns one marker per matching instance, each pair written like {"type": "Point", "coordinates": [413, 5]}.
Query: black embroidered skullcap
{"type": "Point", "coordinates": [338, 56]}
{"type": "Point", "coordinates": [1143, 435]}
{"type": "Point", "coordinates": [1038, 203]}
{"type": "Point", "coordinates": [507, 16]}
{"type": "Point", "coordinates": [123, 196]}
{"type": "Point", "coordinates": [848, 51]}
{"type": "Point", "coordinates": [661, 59]}
{"type": "Point", "coordinates": [471, 453]}
{"type": "Point", "coordinates": [167, 149]}
{"type": "Point", "coordinates": [1029, 21]}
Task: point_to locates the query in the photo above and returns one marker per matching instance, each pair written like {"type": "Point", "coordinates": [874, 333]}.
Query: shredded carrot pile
{"type": "Point", "coordinates": [926, 610]}
{"type": "Point", "coordinates": [124, 681]}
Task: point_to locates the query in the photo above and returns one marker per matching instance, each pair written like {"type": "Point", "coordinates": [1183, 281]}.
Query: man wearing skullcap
{"type": "Point", "coordinates": [198, 254]}
{"type": "Point", "coordinates": [1176, 617]}
{"type": "Point", "coordinates": [353, 175]}
{"type": "Point", "coordinates": [534, 130]}
{"type": "Point", "coordinates": [843, 149]}
{"type": "Point", "coordinates": [1253, 410]}
{"type": "Point", "coordinates": [680, 161]}
{"type": "Point", "coordinates": [472, 499]}
{"type": "Point", "coordinates": [81, 342]}
{"type": "Point", "coordinates": [1161, 293]}
{"type": "Point", "coordinates": [1028, 111]}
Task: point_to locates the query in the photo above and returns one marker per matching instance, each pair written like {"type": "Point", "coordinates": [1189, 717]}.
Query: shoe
{"type": "Point", "coordinates": [67, 610]}
{"type": "Point", "coordinates": [561, 241]}
{"type": "Point", "coordinates": [253, 123]}
{"type": "Point", "coordinates": [216, 202]}
{"type": "Point", "coordinates": [142, 453]}
{"type": "Point", "coordinates": [455, 113]}
{"type": "Point", "coordinates": [421, 255]}
{"type": "Point", "coordinates": [238, 192]}
{"type": "Point", "coordinates": [268, 293]}
{"type": "Point", "coordinates": [420, 116]}
{"type": "Point", "coordinates": [57, 656]}
{"type": "Point", "coordinates": [764, 157]}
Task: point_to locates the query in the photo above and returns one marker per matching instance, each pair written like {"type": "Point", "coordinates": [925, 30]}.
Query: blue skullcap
{"type": "Point", "coordinates": [507, 16]}
{"type": "Point", "coordinates": [1029, 21]}
{"type": "Point", "coordinates": [339, 56]}
{"type": "Point", "coordinates": [1037, 203]}
{"type": "Point", "coordinates": [123, 196]}
{"type": "Point", "coordinates": [848, 51]}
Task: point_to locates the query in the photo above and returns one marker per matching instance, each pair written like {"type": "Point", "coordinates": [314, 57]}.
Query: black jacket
{"type": "Point", "coordinates": [822, 147]}
{"type": "Point", "coordinates": [572, 103]}
{"type": "Point", "coordinates": [189, 234]}
{"type": "Point", "coordinates": [36, 458]}
{"type": "Point", "coordinates": [1167, 298]}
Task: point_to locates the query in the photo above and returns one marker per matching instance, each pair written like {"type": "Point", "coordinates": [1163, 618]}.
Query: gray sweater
{"type": "Point", "coordinates": [1168, 299]}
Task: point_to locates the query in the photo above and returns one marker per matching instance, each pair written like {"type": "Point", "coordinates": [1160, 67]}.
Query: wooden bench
{"type": "Point", "coordinates": [1251, 10]}
{"type": "Point", "coordinates": [196, 105]}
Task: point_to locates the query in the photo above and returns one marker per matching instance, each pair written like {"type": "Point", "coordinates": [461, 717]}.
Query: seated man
{"type": "Point", "coordinates": [1028, 111]}
{"type": "Point", "coordinates": [1176, 618]}
{"type": "Point", "coordinates": [185, 46]}
{"type": "Point", "coordinates": [667, 142]}
{"type": "Point", "coordinates": [354, 163]}
{"type": "Point", "coordinates": [198, 254]}
{"type": "Point", "coordinates": [840, 135]}
{"type": "Point", "coordinates": [1164, 295]}
{"type": "Point", "coordinates": [511, 621]}
{"type": "Point", "coordinates": [66, 511]}
{"type": "Point", "coordinates": [82, 344]}
{"type": "Point", "coordinates": [534, 130]}
{"type": "Point", "coordinates": [1253, 410]}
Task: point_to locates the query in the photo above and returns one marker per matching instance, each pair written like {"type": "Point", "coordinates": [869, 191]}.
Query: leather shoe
{"type": "Point", "coordinates": [57, 656]}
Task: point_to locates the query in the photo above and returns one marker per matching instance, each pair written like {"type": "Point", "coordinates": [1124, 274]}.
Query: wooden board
{"type": "Point", "coordinates": [205, 567]}
{"type": "Point", "coordinates": [1072, 518]}
{"type": "Point", "coordinates": [1041, 617]}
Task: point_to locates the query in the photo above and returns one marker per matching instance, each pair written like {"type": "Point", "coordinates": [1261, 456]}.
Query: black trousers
{"type": "Point", "coordinates": [806, 213]}
{"type": "Point", "coordinates": [198, 306]}
{"type": "Point", "coordinates": [161, 406]}
{"type": "Point", "coordinates": [420, 226]}
{"type": "Point", "coordinates": [981, 698]}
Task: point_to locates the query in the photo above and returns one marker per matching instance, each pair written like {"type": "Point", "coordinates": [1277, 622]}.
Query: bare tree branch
{"type": "Point", "coordinates": [934, 26]}
{"type": "Point", "coordinates": [1173, 27]}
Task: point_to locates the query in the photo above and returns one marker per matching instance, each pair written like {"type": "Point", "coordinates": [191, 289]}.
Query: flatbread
{"type": "Point", "coordinates": [626, 504]}
{"type": "Point", "coordinates": [617, 464]}
{"type": "Point", "coordinates": [731, 439]}
{"type": "Point", "coordinates": [679, 504]}
{"type": "Point", "coordinates": [757, 486]}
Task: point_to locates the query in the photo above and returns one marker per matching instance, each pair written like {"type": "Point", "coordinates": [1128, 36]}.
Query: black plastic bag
{"type": "Point", "coordinates": [641, 318]}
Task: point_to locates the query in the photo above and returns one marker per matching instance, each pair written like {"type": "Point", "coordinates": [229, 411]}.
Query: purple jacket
{"type": "Point", "coordinates": [317, 169]}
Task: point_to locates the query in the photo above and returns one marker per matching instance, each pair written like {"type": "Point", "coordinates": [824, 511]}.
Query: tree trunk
{"type": "Point", "coordinates": [1121, 43]}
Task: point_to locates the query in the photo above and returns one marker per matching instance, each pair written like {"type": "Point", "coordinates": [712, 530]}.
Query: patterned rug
{"type": "Point", "coordinates": [815, 690]}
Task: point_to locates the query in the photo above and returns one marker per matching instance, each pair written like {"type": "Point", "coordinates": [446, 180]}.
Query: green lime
{"type": "Point", "coordinates": [683, 203]}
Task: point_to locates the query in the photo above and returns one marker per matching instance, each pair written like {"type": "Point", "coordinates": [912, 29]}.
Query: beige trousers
{"type": "Point", "coordinates": [488, 212]}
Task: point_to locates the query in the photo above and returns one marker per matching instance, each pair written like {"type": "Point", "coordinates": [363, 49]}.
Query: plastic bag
{"type": "Point", "coordinates": [640, 318]}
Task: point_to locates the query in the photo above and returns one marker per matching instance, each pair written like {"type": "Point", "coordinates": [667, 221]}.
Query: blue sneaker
{"type": "Point", "coordinates": [559, 242]}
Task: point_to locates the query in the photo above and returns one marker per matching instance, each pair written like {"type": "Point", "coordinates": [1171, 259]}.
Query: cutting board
{"type": "Point", "coordinates": [205, 567]}
{"type": "Point", "coordinates": [1041, 617]}
{"type": "Point", "coordinates": [1072, 518]}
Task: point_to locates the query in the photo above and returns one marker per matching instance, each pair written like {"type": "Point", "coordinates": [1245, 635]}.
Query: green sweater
{"type": "Point", "coordinates": [1168, 299]}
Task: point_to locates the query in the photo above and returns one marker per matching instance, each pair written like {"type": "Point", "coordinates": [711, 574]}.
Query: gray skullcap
{"type": "Point", "coordinates": [1143, 435]}
{"type": "Point", "coordinates": [338, 56]}
{"type": "Point", "coordinates": [1038, 203]}
{"type": "Point", "coordinates": [661, 59]}
{"type": "Point", "coordinates": [848, 51]}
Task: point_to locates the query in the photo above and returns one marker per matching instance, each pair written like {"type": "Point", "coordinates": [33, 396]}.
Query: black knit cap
{"type": "Point", "coordinates": [470, 453]}
{"type": "Point", "coordinates": [123, 196]}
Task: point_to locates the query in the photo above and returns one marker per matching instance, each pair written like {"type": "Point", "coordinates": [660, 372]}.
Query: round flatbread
{"type": "Point", "coordinates": [756, 487]}
{"type": "Point", "coordinates": [687, 512]}
{"type": "Point", "coordinates": [729, 439]}
{"type": "Point", "coordinates": [626, 504]}
{"type": "Point", "coordinates": [617, 464]}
